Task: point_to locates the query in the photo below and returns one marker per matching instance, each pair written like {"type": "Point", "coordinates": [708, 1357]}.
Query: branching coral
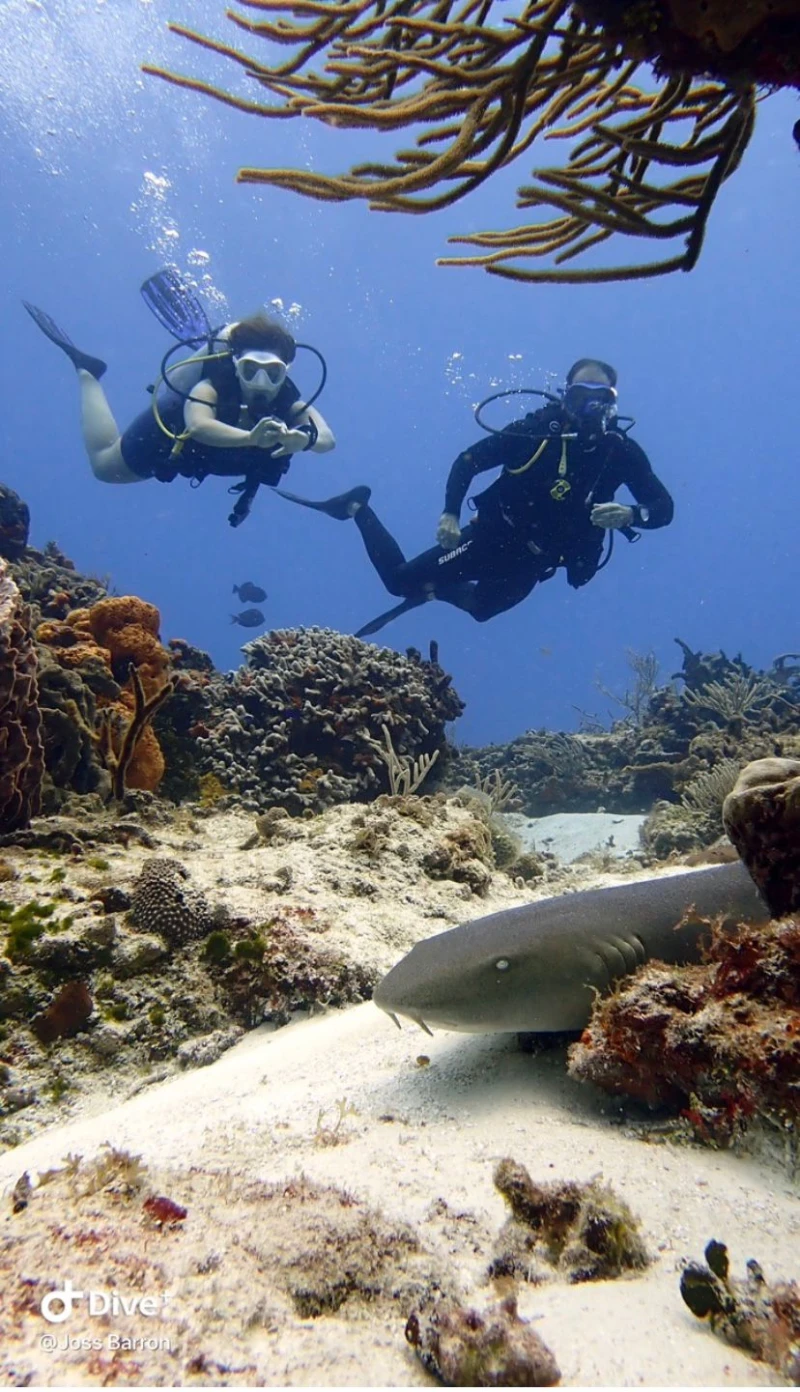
{"type": "Point", "coordinates": [121, 741]}
{"type": "Point", "coordinates": [484, 83]}
{"type": "Point", "coordinates": [707, 792]}
{"type": "Point", "coordinates": [736, 698]}
{"type": "Point", "coordinates": [405, 775]}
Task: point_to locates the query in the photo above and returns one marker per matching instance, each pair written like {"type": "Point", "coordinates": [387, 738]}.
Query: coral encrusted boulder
{"type": "Point", "coordinates": [21, 748]}
{"type": "Point", "coordinates": [762, 819]}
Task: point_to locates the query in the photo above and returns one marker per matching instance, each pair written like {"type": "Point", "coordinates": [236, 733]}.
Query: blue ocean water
{"type": "Point", "coordinates": [109, 174]}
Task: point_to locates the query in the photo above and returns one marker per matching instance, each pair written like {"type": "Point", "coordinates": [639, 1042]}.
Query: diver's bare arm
{"type": "Point", "coordinates": [326, 440]}
{"type": "Point", "coordinates": [201, 422]}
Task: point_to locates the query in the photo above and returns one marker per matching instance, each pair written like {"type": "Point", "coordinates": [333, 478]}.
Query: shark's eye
{"type": "Point", "coordinates": [502, 964]}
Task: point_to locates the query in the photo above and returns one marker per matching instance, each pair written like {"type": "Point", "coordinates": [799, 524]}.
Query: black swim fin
{"type": "Point", "coordinates": [383, 619]}
{"type": "Point", "coordinates": [176, 307]}
{"type": "Point", "coordinates": [338, 507]}
{"type": "Point", "coordinates": [56, 335]}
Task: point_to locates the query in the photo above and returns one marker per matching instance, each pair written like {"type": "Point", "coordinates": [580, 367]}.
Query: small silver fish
{"type": "Point", "coordinates": [250, 593]}
{"type": "Point", "coordinates": [249, 618]}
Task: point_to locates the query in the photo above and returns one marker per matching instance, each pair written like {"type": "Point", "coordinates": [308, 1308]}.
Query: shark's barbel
{"type": "Point", "coordinates": [539, 967]}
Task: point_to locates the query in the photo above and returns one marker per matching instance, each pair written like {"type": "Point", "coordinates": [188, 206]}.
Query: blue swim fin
{"type": "Point", "coordinates": [50, 329]}
{"type": "Point", "coordinates": [176, 306]}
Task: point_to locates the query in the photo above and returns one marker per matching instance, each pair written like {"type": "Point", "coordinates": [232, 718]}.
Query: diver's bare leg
{"type": "Point", "coordinates": [101, 435]}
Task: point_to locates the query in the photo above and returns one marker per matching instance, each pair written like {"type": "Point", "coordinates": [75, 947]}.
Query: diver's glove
{"type": "Point", "coordinates": [611, 516]}
{"type": "Point", "coordinates": [448, 532]}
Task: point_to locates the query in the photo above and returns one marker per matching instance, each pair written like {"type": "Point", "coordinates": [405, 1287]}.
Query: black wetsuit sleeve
{"type": "Point", "coordinates": [509, 449]}
{"type": "Point", "coordinates": [655, 507]}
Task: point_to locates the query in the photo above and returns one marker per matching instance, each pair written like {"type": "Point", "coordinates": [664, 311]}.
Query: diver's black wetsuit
{"type": "Point", "coordinates": [147, 450]}
{"type": "Point", "coordinates": [531, 520]}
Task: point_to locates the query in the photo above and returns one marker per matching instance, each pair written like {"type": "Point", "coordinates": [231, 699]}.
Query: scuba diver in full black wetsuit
{"type": "Point", "coordinates": [228, 409]}
{"type": "Point", "coordinates": [551, 506]}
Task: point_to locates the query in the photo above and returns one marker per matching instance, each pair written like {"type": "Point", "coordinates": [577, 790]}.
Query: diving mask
{"type": "Point", "coordinates": [260, 371]}
{"type": "Point", "coordinates": [591, 403]}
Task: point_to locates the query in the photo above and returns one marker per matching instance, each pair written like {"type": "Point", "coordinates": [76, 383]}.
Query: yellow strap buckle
{"type": "Point", "coordinates": [560, 489]}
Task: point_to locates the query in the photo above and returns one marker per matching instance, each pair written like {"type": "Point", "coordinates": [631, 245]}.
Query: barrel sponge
{"type": "Point", "coordinates": [109, 615]}
{"type": "Point", "coordinates": [128, 627]}
{"type": "Point", "coordinates": [21, 746]}
{"type": "Point", "coordinates": [72, 643]}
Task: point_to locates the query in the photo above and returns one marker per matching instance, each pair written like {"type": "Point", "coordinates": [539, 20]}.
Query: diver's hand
{"type": "Point", "coordinates": [448, 532]}
{"type": "Point", "coordinates": [611, 516]}
{"type": "Point", "coordinates": [292, 442]}
{"type": "Point", "coordinates": [267, 433]}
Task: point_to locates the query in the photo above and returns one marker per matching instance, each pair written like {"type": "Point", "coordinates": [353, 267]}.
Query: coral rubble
{"type": "Point", "coordinates": [470, 1348]}
{"type": "Point", "coordinates": [229, 1259]}
{"type": "Point", "coordinates": [584, 1231]}
{"type": "Point", "coordinates": [752, 1314]}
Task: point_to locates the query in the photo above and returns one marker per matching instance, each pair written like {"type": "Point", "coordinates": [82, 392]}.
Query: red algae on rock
{"type": "Point", "coordinates": [719, 1042]}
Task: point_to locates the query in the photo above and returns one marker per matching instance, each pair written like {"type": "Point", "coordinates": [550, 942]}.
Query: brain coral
{"type": "Point", "coordinates": [21, 748]}
{"type": "Point", "coordinates": [165, 903]}
{"type": "Point", "coordinates": [300, 724]}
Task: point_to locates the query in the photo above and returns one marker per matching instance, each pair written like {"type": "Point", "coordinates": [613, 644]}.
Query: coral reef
{"type": "Point", "coordinates": [752, 1314]}
{"type": "Point", "coordinates": [21, 747]}
{"type": "Point", "coordinates": [470, 1348]}
{"type": "Point", "coordinates": [719, 1043]}
{"type": "Point", "coordinates": [15, 520]}
{"type": "Point", "coordinates": [679, 747]}
{"type": "Point", "coordinates": [103, 897]}
{"type": "Point", "coordinates": [312, 718]}
{"type": "Point", "coordinates": [301, 724]}
{"type": "Point", "coordinates": [762, 818]}
{"type": "Point", "coordinates": [584, 1231]}
{"type": "Point", "coordinates": [130, 749]}
{"type": "Point", "coordinates": [50, 584]}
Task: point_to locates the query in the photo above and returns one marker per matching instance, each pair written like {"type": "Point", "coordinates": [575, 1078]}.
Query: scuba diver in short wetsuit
{"type": "Point", "coordinates": [229, 409]}
{"type": "Point", "coordinates": [552, 505]}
